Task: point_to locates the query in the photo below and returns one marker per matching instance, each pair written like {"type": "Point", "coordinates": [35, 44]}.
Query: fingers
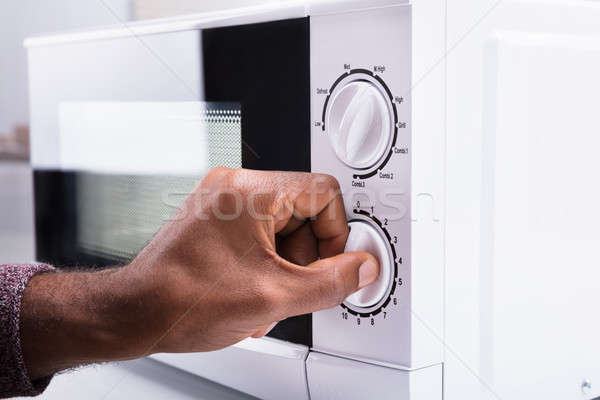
{"type": "Point", "coordinates": [322, 202]}
{"type": "Point", "coordinates": [316, 197]}
{"type": "Point", "coordinates": [300, 246]}
{"type": "Point", "coordinates": [286, 198]}
{"type": "Point", "coordinates": [327, 282]}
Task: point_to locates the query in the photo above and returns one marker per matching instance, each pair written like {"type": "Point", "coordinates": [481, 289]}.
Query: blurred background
{"type": "Point", "coordinates": [24, 18]}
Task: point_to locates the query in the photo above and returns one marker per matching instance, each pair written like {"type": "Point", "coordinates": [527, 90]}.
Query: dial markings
{"type": "Point", "coordinates": [394, 282]}
{"type": "Point", "coordinates": [388, 92]}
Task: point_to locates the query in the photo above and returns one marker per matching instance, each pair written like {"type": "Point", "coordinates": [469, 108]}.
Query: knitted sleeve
{"type": "Point", "coordinates": [14, 380]}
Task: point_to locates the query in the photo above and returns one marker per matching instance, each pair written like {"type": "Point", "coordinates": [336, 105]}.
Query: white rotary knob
{"type": "Point", "coordinates": [359, 124]}
{"type": "Point", "coordinates": [364, 237]}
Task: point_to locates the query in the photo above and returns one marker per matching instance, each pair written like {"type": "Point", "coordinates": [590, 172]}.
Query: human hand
{"type": "Point", "coordinates": [248, 249]}
{"type": "Point", "coordinates": [245, 250]}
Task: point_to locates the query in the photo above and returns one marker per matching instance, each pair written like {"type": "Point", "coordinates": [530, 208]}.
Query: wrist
{"type": "Point", "coordinates": [137, 314]}
{"type": "Point", "coordinates": [72, 319]}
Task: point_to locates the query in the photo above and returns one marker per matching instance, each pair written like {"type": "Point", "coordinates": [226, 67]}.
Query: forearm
{"type": "Point", "coordinates": [72, 319]}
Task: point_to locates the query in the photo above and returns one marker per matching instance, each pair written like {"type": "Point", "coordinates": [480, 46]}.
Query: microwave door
{"type": "Point", "coordinates": [117, 149]}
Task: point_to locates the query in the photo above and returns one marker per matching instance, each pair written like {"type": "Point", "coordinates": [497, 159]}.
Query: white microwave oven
{"type": "Point", "coordinates": [463, 135]}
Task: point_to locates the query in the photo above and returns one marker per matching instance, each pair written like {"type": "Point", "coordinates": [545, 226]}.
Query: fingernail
{"type": "Point", "coordinates": [367, 273]}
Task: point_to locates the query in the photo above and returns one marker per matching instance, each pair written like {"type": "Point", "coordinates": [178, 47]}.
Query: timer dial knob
{"type": "Point", "coordinates": [359, 124]}
{"type": "Point", "coordinates": [364, 237]}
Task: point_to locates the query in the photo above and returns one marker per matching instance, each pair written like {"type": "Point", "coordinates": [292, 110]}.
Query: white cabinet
{"type": "Point", "coordinates": [522, 274]}
{"type": "Point", "coordinates": [339, 378]}
{"type": "Point", "coordinates": [267, 368]}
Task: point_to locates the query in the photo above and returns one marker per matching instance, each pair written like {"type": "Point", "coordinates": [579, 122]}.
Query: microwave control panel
{"type": "Point", "coordinates": [361, 134]}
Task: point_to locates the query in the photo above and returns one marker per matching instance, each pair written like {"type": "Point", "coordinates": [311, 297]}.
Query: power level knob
{"type": "Point", "coordinates": [364, 237]}
{"type": "Point", "coordinates": [359, 124]}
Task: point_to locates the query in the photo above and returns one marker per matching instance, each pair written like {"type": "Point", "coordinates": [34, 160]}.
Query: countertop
{"type": "Point", "coordinates": [140, 379]}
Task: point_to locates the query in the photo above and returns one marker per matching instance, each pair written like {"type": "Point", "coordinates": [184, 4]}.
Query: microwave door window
{"type": "Point", "coordinates": [120, 211]}
{"type": "Point", "coordinates": [117, 215]}
{"type": "Point", "coordinates": [125, 168]}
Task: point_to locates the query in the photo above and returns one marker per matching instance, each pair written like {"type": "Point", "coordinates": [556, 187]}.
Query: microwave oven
{"type": "Point", "coordinates": [448, 127]}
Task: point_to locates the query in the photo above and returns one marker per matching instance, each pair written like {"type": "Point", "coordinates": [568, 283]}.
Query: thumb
{"type": "Point", "coordinates": [327, 282]}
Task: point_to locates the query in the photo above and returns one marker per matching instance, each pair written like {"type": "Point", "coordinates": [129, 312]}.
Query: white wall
{"type": "Point", "coordinates": [23, 18]}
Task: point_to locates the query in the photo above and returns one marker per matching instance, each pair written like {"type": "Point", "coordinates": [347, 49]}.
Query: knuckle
{"type": "Point", "coordinates": [236, 179]}
{"type": "Point", "coordinates": [330, 181]}
{"type": "Point", "coordinates": [213, 180]}
{"type": "Point", "coordinates": [224, 191]}
{"type": "Point", "coordinates": [215, 175]}
{"type": "Point", "coordinates": [279, 203]}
